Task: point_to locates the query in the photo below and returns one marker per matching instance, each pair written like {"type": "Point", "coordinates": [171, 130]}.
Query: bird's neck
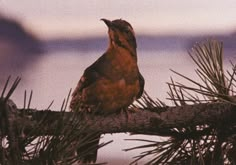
{"type": "Point", "coordinates": [127, 48]}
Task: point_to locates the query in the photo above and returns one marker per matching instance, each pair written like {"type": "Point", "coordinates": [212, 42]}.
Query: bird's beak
{"type": "Point", "coordinates": [107, 22]}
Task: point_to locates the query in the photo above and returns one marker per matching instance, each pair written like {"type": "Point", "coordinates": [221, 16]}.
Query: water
{"type": "Point", "coordinates": [52, 75]}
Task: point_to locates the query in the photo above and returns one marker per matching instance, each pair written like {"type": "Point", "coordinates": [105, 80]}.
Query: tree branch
{"type": "Point", "coordinates": [140, 121]}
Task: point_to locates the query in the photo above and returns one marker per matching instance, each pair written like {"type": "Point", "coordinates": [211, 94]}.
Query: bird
{"type": "Point", "coordinates": [113, 81]}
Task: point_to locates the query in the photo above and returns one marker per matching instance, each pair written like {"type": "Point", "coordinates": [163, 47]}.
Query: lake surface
{"type": "Point", "coordinates": [51, 76]}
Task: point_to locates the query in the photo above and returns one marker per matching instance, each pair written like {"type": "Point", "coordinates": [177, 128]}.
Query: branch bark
{"type": "Point", "coordinates": [140, 121]}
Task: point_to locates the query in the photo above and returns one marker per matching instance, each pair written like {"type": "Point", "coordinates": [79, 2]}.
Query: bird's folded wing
{"type": "Point", "coordinates": [141, 85]}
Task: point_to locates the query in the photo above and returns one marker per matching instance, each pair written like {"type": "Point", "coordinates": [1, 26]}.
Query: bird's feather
{"type": "Point", "coordinates": [141, 85]}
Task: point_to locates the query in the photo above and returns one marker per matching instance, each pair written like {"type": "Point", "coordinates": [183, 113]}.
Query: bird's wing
{"type": "Point", "coordinates": [90, 76]}
{"type": "Point", "coordinates": [100, 68]}
{"type": "Point", "coordinates": [141, 85]}
{"type": "Point", "coordinates": [94, 72]}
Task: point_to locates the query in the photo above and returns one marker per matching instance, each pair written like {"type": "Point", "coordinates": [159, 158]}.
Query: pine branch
{"type": "Point", "coordinates": [139, 122]}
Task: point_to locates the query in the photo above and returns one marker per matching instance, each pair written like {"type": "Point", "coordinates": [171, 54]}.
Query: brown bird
{"type": "Point", "coordinates": [112, 82]}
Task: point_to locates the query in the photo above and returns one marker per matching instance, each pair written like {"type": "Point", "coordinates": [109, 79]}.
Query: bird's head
{"type": "Point", "coordinates": [121, 34]}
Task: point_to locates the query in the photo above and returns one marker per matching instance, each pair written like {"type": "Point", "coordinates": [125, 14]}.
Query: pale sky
{"type": "Point", "coordinates": [60, 18]}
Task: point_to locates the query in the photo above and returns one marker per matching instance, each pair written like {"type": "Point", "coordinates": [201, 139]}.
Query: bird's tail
{"type": "Point", "coordinates": [88, 151]}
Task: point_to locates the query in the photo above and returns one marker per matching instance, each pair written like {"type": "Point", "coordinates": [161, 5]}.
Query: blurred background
{"type": "Point", "coordinates": [50, 43]}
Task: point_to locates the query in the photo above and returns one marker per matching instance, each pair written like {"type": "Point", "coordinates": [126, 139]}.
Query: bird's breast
{"type": "Point", "coordinates": [123, 63]}
{"type": "Point", "coordinates": [121, 83]}
{"type": "Point", "coordinates": [118, 85]}
{"type": "Point", "coordinates": [112, 95]}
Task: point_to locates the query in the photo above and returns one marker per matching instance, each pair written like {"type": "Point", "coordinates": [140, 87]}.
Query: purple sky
{"type": "Point", "coordinates": [60, 18]}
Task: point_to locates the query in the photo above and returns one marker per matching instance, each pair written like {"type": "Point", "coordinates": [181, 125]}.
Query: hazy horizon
{"type": "Point", "coordinates": [51, 19]}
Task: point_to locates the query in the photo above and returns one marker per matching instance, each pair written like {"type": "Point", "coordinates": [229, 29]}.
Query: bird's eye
{"type": "Point", "coordinates": [127, 32]}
